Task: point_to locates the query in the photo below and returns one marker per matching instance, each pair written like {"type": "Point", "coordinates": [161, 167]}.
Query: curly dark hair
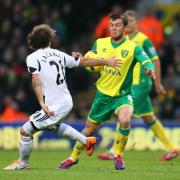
{"type": "Point", "coordinates": [40, 37]}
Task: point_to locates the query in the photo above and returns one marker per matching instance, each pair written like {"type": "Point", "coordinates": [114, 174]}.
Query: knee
{"type": "Point", "coordinates": [23, 133]}
{"type": "Point", "coordinates": [124, 122]}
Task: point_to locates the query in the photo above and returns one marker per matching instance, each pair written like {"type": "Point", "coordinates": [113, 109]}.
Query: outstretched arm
{"type": "Point", "coordinates": [146, 63]}
{"type": "Point", "coordinates": [88, 61]}
{"type": "Point", "coordinates": [157, 84]}
{"type": "Point", "coordinates": [152, 54]}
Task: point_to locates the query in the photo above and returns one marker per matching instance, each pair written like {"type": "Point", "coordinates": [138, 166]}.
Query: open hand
{"type": "Point", "coordinates": [114, 62]}
{"type": "Point", "coordinates": [77, 54]}
{"type": "Point", "coordinates": [46, 110]}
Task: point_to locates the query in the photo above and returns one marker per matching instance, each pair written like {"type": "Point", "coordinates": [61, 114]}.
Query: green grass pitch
{"type": "Point", "coordinates": [139, 165]}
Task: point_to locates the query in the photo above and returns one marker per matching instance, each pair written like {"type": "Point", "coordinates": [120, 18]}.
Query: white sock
{"type": "Point", "coordinates": [70, 132]}
{"type": "Point", "coordinates": [26, 145]}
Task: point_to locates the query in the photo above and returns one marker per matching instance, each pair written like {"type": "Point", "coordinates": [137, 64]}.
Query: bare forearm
{"type": "Point", "coordinates": [37, 87]}
{"type": "Point", "coordinates": [157, 66]}
{"type": "Point", "coordinates": [86, 61]}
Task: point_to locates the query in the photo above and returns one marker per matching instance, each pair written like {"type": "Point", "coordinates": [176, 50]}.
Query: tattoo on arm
{"type": "Point", "coordinates": [36, 84]}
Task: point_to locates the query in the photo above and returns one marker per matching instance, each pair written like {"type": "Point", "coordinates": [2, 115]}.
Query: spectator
{"type": "Point", "coordinates": [102, 28]}
{"type": "Point", "coordinates": [152, 27]}
{"type": "Point", "coordinates": [17, 17]}
{"type": "Point", "coordinates": [11, 112]}
{"type": "Point", "coordinates": [172, 80]}
{"type": "Point", "coordinates": [175, 36]}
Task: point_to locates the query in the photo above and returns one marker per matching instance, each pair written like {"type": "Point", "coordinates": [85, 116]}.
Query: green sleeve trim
{"type": "Point", "coordinates": [149, 65]}
{"type": "Point", "coordinates": [145, 62]}
{"type": "Point", "coordinates": [150, 49]}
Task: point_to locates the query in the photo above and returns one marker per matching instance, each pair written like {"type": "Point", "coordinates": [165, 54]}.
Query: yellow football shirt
{"type": "Point", "coordinates": [141, 39]}
{"type": "Point", "coordinates": [117, 81]}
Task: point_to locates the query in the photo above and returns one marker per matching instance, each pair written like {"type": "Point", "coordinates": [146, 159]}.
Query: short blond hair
{"type": "Point", "coordinates": [131, 13]}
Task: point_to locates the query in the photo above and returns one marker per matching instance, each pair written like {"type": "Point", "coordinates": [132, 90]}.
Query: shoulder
{"type": "Point", "coordinates": [142, 36]}
{"type": "Point", "coordinates": [58, 52]}
{"type": "Point", "coordinates": [32, 56]}
{"type": "Point", "coordinates": [55, 50]}
{"type": "Point", "coordinates": [138, 47]}
{"type": "Point", "coordinates": [130, 43]}
{"type": "Point", "coordinates": [103, 39]}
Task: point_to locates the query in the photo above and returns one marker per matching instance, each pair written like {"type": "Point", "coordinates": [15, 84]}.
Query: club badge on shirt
{"type": "Point", "coordinates": [124, 53]}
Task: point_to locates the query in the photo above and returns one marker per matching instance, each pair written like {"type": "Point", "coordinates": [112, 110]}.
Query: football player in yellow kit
{"type": "Point", "coordinates": [142, 86]}
{"type": "Point", "coordinates": [114, 88]}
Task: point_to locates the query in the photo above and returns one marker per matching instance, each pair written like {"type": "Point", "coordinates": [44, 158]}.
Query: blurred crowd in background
{"type": "Point", "coordinates": [77, 25]}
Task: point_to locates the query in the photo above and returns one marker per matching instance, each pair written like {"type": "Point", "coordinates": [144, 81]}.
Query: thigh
{"type": "Point", "coordinates": [142, 101]}
{"type": "Point", "coordinates": [42, 121]}
{"type": "Point", "coordinates": [142, 104]}
{"type": "Point", "coordinates": [101, 109]}
{"type": "Point", "coordinates": [120, 102]}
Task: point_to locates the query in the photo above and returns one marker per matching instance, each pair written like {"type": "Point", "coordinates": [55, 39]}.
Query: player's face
{"type": "Point", "coordinates": [116, 28]}
{"type": "Point", "coordinates": [131, 27]}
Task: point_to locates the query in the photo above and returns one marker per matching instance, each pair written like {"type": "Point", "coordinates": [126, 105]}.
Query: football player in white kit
{"type": "Point", "coordinates": [47, 69]}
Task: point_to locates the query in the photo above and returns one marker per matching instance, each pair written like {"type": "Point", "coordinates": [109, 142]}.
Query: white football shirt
{"type": "Point", "coordinates": [50, 65]}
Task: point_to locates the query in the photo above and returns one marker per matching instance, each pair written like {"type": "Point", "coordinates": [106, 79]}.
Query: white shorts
{"type": "Point", "coordinates": [43, 121]}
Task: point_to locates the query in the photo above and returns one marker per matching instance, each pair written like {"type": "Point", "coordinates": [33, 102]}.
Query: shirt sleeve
{"type": "Point", "coordinates": [141, 56]}
{"type": "Point", "coordinates": [71, 61]}
{"type": "Point", "coordinates": [150, 50]}
{"type": "Point", "coordinates": [33, 65]}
